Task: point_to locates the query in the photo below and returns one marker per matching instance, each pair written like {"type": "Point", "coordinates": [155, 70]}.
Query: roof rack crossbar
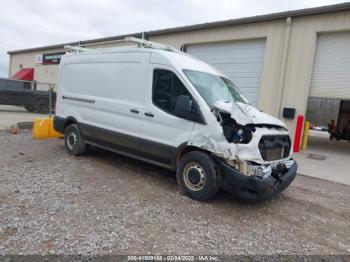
{"type": "Point", "coordinates": [149, 44]}
{"type": "Point", "coordinates": [141, 43]}
{"type": "Point", "coordinates": [78, 49]}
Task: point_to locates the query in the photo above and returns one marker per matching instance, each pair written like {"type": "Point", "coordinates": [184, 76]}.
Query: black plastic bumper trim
{"type": "Point", "coordinates": [254, 189]}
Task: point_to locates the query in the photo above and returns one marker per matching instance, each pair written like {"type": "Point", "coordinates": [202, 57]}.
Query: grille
{"type": "Point", "coordinates": [274, 147]}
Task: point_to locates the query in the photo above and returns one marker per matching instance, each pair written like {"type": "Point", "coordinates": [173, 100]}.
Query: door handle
{"type": "Point", "coordinates": [134, 110]}
{"type": "Point", "coordinates": [149, 114]}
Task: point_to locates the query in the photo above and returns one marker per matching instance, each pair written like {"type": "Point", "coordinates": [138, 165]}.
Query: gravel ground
{"type": "Point", "coordinates": [103, 203]}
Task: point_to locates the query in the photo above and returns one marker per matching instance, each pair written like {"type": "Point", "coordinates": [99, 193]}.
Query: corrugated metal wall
{"type": "Point", "coordinates": [241, 61]}
{"type": "Point", "coordinates": [331, 71]}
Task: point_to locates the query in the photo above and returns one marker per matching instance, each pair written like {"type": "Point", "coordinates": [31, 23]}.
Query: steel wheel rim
{"type": "Point", "coordinates": [194, 176]}
{"type": "Point", "coordinates": [72, 140]}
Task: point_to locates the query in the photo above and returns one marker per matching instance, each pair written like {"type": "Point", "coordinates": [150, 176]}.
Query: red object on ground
{"type": "Point", "coordinates": [297, 136]}
{"type": "Point", "coordinates": [26, 74]}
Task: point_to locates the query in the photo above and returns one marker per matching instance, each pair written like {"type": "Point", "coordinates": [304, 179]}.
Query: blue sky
{"type": "Point", "coordinates": [25, 24]}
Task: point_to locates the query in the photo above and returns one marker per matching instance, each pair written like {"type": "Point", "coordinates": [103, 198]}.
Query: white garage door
{"type": "Point", "coordinates": [331, 72]}
{"type": "Point", "coordinates": [241, 61]}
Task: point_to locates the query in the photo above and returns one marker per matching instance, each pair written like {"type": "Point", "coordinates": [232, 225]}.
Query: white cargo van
{"type": "Point", "coordinates": [162, 106]}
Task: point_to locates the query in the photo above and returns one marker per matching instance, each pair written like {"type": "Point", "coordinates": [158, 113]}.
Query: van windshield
{"type": "Point", "coordinates": [214, 88]}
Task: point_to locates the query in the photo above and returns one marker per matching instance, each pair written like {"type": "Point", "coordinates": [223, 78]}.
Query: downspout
{"type": "Point", "coordinates": [282, 79]}
{"type": "Point", "coordinates": [10, 64]}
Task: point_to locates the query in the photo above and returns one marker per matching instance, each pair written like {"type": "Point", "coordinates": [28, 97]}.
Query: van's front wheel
{"type": "Point", "coordinates": [73, 140]}
{"type": "Point", "coordinates": [197, 176]}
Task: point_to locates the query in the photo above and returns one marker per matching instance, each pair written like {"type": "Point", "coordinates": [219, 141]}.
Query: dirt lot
{"type": "Point", "coordinates": [104, 203]}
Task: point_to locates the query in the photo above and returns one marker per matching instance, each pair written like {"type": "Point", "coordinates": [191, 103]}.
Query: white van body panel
{"type": "Point", "coordinates": [248, 114]}
{"type": "Point", "coordinates": [163, 128]}
{"type": "Point", "coordinates": [111, 81]}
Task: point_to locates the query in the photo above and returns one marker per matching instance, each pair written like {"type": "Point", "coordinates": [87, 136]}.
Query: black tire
{"type": "Point", "coordinates": [73, 140]}
{"type": "Point", "coordinates": [192, 168]}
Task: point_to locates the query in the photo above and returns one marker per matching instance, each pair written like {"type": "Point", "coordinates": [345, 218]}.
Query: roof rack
{"type": "Point", "coordinates": [142, 43]}
{"type": "Point", "coordinates": [150, 44]}
{"type": "Point", "coordinates": [78, 49]}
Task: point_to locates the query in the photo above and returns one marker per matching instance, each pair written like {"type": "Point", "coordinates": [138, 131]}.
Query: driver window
{"type": "Point", "coordinates": [166, 88]}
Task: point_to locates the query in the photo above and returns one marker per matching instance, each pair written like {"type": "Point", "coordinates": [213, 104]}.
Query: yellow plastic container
{"type": "Point", "coordinates": [43, 129]}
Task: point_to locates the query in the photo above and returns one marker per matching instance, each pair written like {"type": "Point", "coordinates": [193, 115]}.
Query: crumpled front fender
{"type": "Point", "coordinates": [216, 145]}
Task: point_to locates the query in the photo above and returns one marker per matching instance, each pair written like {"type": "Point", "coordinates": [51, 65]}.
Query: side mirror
{"type": "Point", "coordinates": [183, 107]}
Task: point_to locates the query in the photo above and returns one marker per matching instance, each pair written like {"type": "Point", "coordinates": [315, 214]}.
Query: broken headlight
{"type": "Point", "coordinates": [261, 171]}
{"type": "Point", "coordinates": [240, 136]}
{"type": "Point", "coordinates": [236, 133]}
{"type": "Point", "coordinates": [248, 168]}
{"type": "Point", "coordinates": [251, 169]}
{"type": "Point", "coordinates": [275, 169]}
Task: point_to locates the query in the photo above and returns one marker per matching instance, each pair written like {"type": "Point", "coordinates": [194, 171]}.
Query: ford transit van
{"type": "Point", "coordinates": [159, 105]}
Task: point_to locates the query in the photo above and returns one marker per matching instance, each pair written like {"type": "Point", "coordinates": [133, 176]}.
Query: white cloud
{"type": "Point", "coordinates": [25, 24]}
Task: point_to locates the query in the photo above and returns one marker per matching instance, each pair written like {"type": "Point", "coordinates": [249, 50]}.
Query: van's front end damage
{"type": "Point", "coordinates": [253, 152]}
{"type": "Point", "coordinates": [263, 167]}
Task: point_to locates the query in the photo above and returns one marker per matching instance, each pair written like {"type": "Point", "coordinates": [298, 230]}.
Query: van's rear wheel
{"type": "Point", "coordinates": [197, 176]}
{"type": "Point", "coordinates": [73, 140]}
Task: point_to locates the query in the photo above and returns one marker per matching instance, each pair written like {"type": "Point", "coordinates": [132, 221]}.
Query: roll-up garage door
{"type": "Point", "coordinates": [241, 61]}
{"type": "Point", "coordinates": [331, 72]}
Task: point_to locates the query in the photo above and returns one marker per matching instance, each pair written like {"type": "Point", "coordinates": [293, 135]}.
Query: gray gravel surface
{"type": "Point", "coordinates": [103, 203]}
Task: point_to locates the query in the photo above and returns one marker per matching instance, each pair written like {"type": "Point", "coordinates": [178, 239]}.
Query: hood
{"type": "Point", "coordinates": [245, 114]}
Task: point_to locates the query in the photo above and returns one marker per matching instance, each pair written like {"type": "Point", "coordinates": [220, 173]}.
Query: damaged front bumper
{"type": "Point", "coordinates": [253, 188]}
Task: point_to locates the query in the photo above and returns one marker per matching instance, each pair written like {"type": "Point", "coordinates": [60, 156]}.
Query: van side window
{"type": "Point", "coordinates": [166, 88]}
